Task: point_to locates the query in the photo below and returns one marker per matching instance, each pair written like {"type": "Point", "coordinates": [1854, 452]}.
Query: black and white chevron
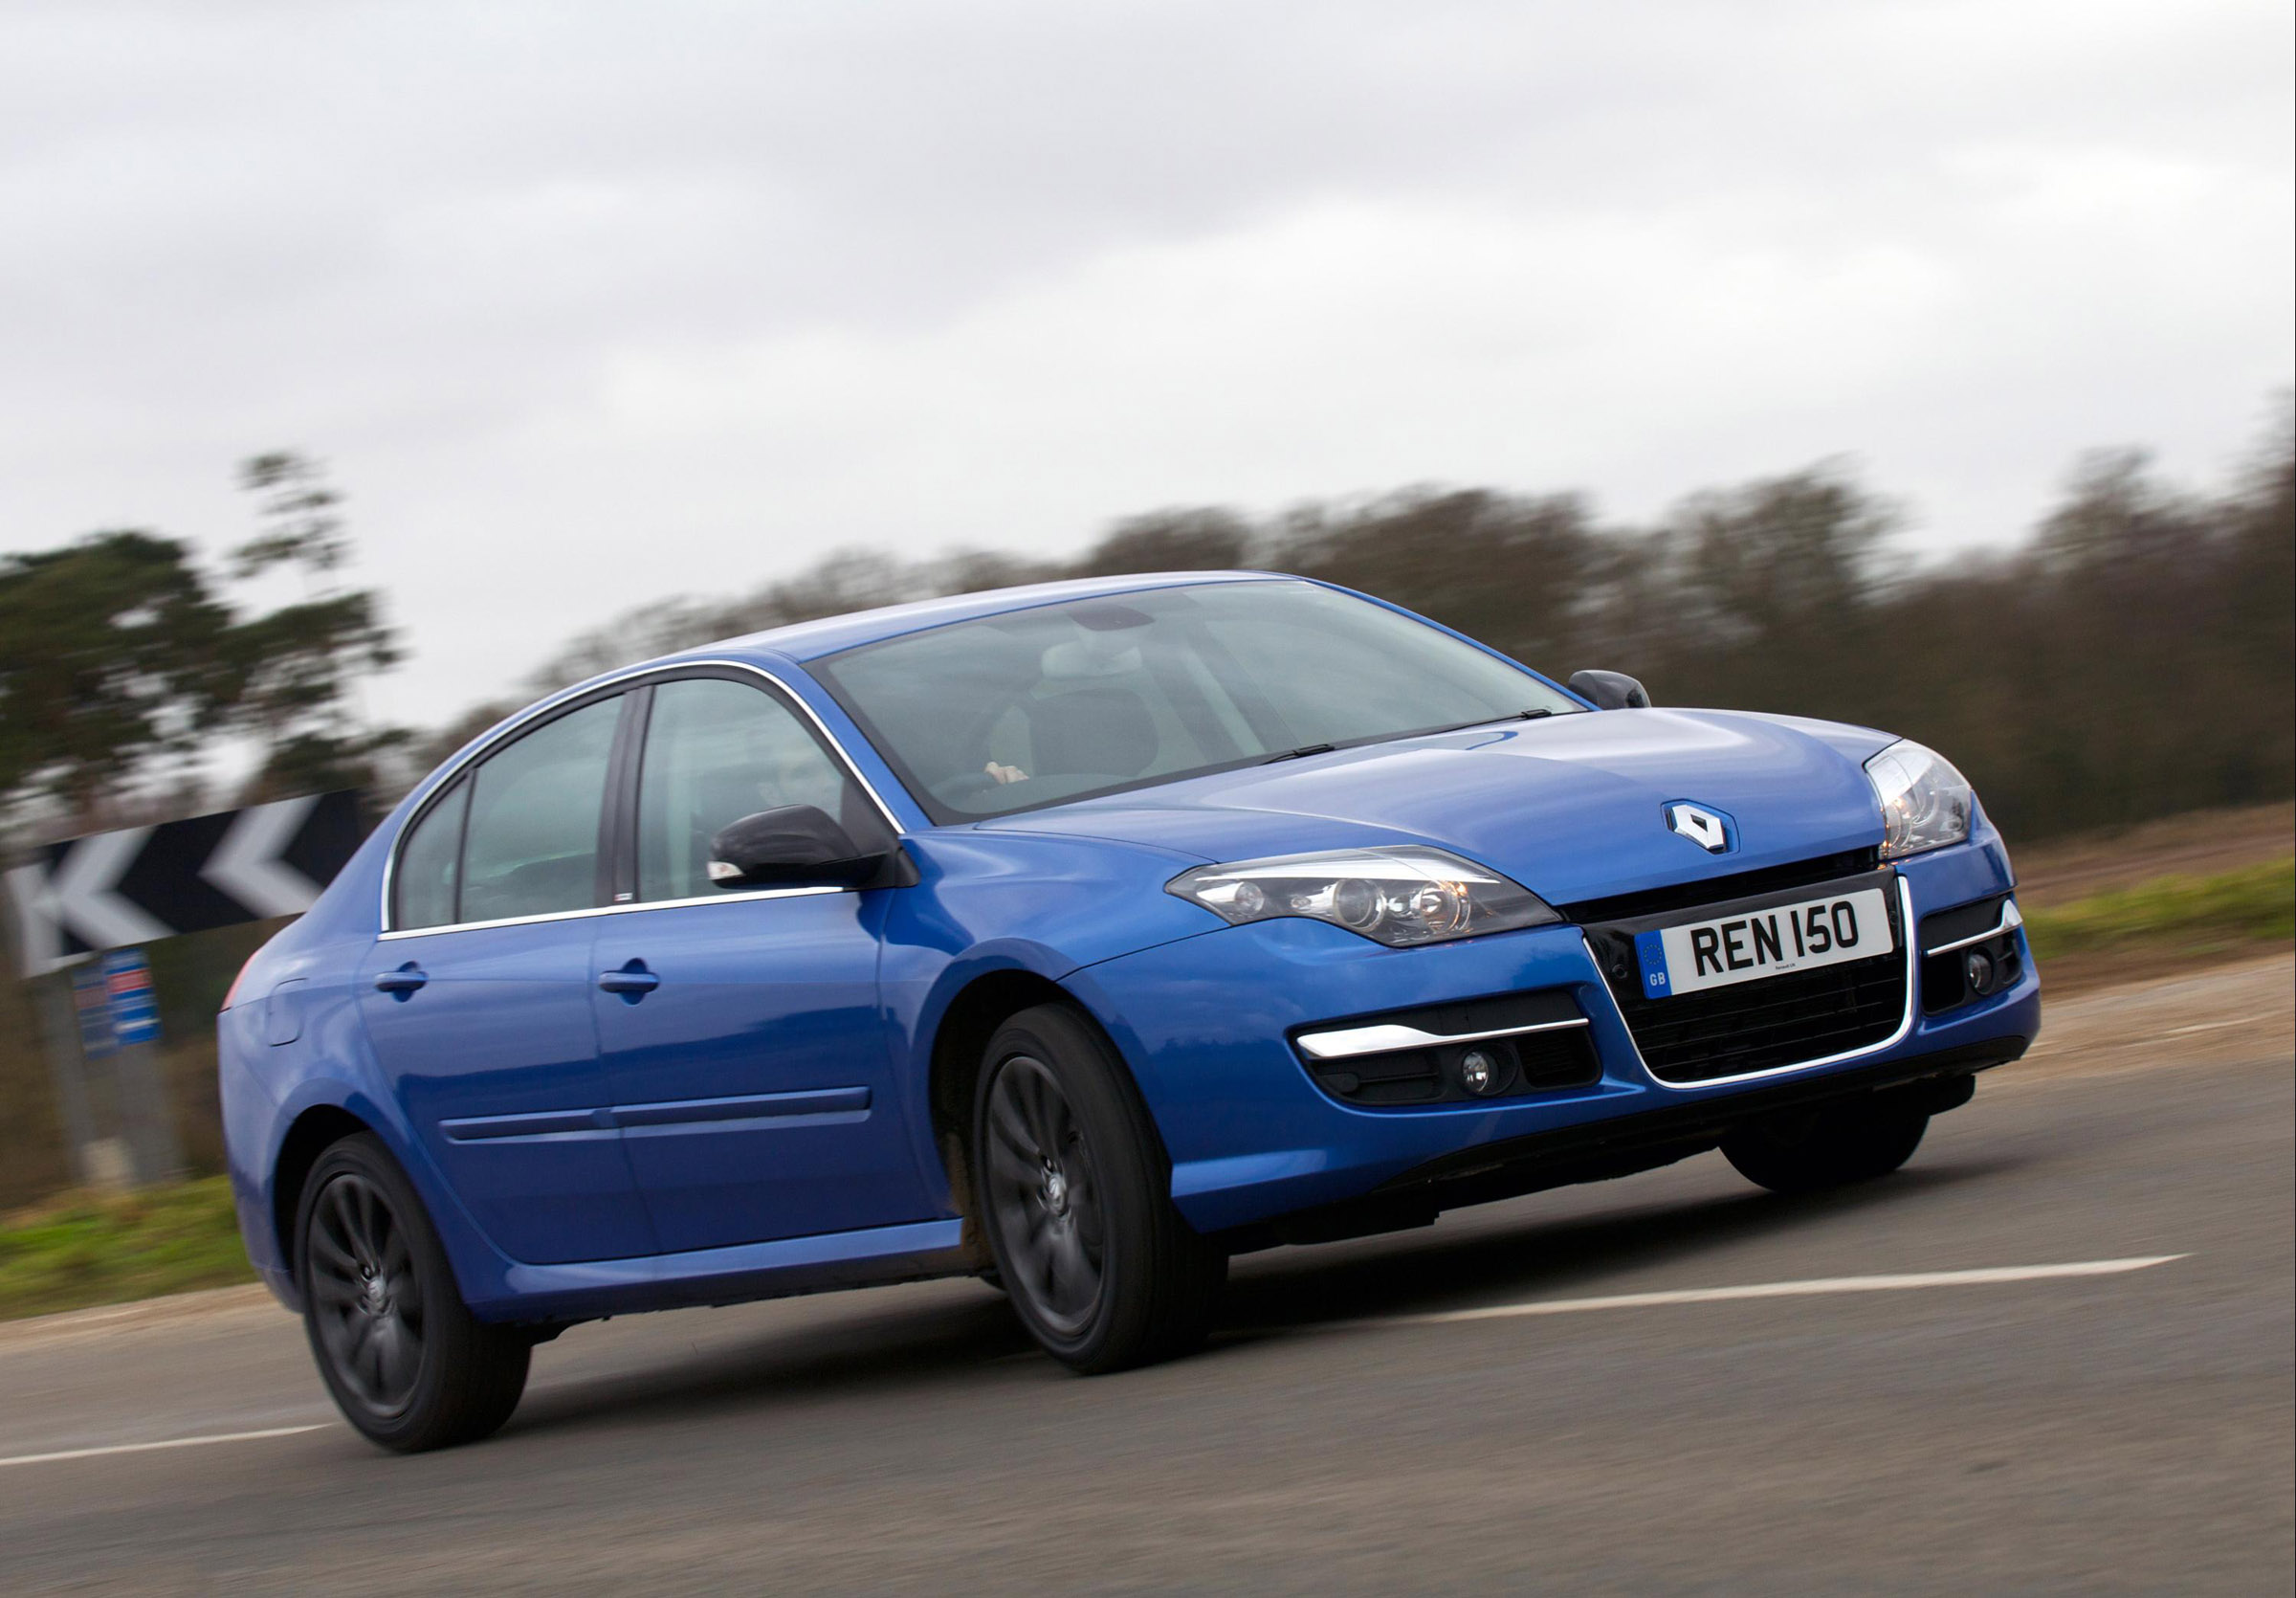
{"type": "Point", "coordinates": [144, 883]}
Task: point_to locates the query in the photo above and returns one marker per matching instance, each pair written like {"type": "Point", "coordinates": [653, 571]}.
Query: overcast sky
{"type": "Point", "coordinates": [590, 303]}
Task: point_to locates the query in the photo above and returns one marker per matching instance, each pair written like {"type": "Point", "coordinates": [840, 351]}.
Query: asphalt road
{"type": "Point", "coordinates": [2130, 1431]}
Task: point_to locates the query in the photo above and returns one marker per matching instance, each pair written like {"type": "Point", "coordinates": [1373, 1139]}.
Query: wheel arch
{"type": "Point", "coordinates": [309, 1136]}
{"type": "Point", "coordinates": [960, 1041]}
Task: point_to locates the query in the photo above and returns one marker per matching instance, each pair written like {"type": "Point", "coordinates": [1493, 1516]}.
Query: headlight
{"type": "Point", "coordinates": [1398, 896]}
{"type": "Point", "coordinates": [1926, 803]}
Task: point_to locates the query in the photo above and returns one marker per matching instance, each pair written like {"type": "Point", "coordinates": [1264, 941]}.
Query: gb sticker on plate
{"type": "Point", "coordinates": [1650, 954]}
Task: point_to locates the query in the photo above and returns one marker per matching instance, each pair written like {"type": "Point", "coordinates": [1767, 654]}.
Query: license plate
{"type": "Point", "coordinates": [1757, 943]}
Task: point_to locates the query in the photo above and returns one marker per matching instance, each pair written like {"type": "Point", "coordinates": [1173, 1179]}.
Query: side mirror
{"type": "Point", "coordinates": [793, 846]}
{"type": "Point", "coordinates": [1610, 690]}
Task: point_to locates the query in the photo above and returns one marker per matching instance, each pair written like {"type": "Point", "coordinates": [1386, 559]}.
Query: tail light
{"type": "Point", "coordinates": [230, 994]}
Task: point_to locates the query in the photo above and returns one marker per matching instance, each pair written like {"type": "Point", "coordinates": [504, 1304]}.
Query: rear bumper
{"type": "Point", "coordinates": [1259, 1152]}
{"type": "Point", "coordinates": [253, 1129]}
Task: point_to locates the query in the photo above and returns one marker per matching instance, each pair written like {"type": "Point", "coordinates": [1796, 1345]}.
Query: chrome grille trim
{"type": "Point", "coordinates": [1904, 1025]}
{"type": "Point", "coordinates": [1388, 1037]}
{"type": "Point", "coordinates": [2012, 918]}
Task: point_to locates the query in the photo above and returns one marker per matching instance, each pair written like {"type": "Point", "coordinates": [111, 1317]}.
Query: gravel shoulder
{"type": "Point", "coordinates": [2240, 1011]}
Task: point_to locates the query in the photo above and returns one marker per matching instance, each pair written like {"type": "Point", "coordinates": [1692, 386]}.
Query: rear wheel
{"type": "Point", "coordinates": [1811, 1150]}
{"type": "Point", "coordinates": [1075, 1198]}
{"type": "Point", "coordinates": [403, 1357]}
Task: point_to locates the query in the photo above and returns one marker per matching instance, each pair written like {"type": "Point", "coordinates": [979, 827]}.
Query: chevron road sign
{"type": "Point", "coordinates": [115, 888]}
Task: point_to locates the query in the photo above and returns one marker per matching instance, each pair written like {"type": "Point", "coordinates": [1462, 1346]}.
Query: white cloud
{"type": "Point", "coordinates": [590, 303]}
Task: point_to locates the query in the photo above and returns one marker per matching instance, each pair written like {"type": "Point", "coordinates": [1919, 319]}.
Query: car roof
{"type": "Point", "coordinates": [811, 640]}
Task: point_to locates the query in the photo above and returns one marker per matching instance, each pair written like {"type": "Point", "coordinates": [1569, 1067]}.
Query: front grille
{"type": "Point", "coordinates": [1714, 890]}
{"type": "Point", "coordinates": [1762, 1025]}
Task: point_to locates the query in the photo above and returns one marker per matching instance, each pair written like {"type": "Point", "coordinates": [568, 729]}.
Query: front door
{"type": "Point", "coordinates": [478, 1001]}
{"type": "Point", "coordinates": [741, 1028]}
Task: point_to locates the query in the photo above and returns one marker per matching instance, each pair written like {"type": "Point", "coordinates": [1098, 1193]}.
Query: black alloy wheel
{"type": "Point", "coordinates": [368, 1300]}
{"type": "Point", "coordinates": [401, 1354]}
{"type": "Point", "coordinates": [1811, 1150]}
{"type": "Point", "coordinates": [1044, 1195]}
{"type": "Point", "coordinates": [1074, 1191]}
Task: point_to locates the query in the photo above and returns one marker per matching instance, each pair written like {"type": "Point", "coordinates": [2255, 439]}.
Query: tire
{"type": "Point", "coordinates": [1817, 1149]}
{"type": "Point", "coordinates": [399, 1353]}
{"type": "Point", "coordinates": [1075, 1192]}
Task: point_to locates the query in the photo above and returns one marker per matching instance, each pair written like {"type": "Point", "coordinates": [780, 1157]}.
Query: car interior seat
{"type": "Point", "coordinates": [1100, 732]}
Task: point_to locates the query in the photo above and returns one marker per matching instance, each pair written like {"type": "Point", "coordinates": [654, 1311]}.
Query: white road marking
{"type": "Point", "coordinates": [149, 1447]}
{"type": "Point", "coordinates": [1813, 1287]}
{"type": "Point", "coordinates": [2211, 1025]}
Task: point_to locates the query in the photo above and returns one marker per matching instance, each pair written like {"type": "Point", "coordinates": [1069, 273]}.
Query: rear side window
{"type": "Point", "coordinates": [530, 847]}
{"type": "Point", "coordinates": [430, 863]}
{"type": "Point", "coordinates": [715, 751]}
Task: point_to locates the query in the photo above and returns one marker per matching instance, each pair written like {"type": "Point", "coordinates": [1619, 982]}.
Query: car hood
{"type": "Point", "coordinates": [1573, 806]}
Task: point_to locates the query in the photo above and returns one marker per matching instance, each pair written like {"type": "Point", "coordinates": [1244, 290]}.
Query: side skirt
{"type": "Point", "coordinates": [542, 1295]}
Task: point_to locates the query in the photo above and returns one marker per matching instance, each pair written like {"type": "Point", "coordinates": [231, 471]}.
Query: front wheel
{"type": "Point", "coordinates": [1811, 1150]}
{"type": "Point", "coordinates": [403, 1357]}
{"type": "Point", "coordinates": [1076, 1195]}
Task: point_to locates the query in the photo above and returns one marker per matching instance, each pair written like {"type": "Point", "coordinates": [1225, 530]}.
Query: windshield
{"type": "Point", "coordinates": [1012, 712]}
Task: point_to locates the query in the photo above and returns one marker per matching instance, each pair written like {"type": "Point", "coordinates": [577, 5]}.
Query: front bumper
{"type": "Point", "coordinates": [1204, 1023]}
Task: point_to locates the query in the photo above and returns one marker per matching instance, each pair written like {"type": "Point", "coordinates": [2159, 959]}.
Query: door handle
{"type": "Point", "coordinates": [633, 982]}
{"type": "Point", "coordinates": [401, 983]}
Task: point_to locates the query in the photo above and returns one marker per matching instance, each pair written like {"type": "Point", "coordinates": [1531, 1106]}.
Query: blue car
{"type": "Point", "coordinates": [1078, 937]}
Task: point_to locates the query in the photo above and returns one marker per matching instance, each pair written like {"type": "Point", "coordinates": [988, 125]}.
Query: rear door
{"type": "Point", "coordinates": [477, 999]}
{"type": "Point", "coordinates": [740, 1028]}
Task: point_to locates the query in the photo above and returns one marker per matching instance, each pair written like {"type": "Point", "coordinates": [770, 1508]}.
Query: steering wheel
{"type": "Point", "coordinates": [960, 792]}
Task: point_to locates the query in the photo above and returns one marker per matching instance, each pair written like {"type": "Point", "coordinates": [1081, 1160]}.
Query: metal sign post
{"type": "Point", "coordinates": [61, 1019]}
{"type": "Point", "coordinates": [146, 1122]}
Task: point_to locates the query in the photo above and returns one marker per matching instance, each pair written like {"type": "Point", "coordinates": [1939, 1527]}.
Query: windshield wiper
{"type": "Point", "coordinates": [1419, 732]}
{"type": "Point", "coordinates": [1481, 722]}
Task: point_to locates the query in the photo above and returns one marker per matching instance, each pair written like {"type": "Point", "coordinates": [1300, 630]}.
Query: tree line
{"type": "Point", "coordinates": [2132, 658]}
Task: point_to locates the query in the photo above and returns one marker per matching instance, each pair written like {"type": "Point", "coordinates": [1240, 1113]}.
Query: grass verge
{"type": "Point", "coordinates": [86, 1249]}
{"type": "Point", "coordinates": [2190, 915]}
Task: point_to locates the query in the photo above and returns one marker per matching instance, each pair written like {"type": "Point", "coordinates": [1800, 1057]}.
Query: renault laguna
{"type": "Point", "coordinates": [1078, 938]}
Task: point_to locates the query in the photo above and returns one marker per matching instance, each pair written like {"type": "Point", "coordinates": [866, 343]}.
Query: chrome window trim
{"type": "Point", "coordinates": [636, 677]}
{"type": "Point", "coordinates": [398, 933]}
{"type": "Point", "coordinates": [1905, 1023]}
{"type": "Point", "coordinates": [1386, 1036]}
{"type": "Point", "coordinates": [2012, 918]}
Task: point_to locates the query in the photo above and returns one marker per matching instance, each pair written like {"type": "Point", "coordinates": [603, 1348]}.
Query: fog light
{"type": "Point", "coordinates": [1481, 1071]}
{"type": "Point", "coordinates": [1977, 966]}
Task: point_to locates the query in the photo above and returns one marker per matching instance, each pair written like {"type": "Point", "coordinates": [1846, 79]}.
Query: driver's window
{"type": "Point", "coordinates": [715, 751]}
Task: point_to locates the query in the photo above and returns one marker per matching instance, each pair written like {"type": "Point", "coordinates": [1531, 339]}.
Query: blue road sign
{"type": "Point", "coordinates": [135, 1008]}
{"type": "Point", "coordinates": [94, 1006]}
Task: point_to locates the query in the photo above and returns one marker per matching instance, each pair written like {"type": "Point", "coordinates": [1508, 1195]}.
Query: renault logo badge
{"type": "Point", "coordinates": [1709, 829]}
